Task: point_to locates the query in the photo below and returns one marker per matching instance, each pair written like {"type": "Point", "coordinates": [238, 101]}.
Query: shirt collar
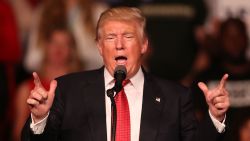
{"type": "Point", "coordinates": [138, 79]}
{"type": "Point", "coordinates": [109, 79]}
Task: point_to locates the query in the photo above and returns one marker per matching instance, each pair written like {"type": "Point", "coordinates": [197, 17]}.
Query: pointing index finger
{"type": "Point", "coordinates": [37, 81]}
{"type": "Point", "coordinates": [223, 81]}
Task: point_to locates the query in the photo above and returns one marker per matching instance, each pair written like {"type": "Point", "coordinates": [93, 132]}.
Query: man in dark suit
{"type": "Point", "coordinates": [77, 108]}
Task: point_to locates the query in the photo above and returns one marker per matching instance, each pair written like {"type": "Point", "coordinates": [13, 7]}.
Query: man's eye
{"type": "Point", "coordinates": [109, 38]}
{"type": "Point", "coordinates": [129, 36]}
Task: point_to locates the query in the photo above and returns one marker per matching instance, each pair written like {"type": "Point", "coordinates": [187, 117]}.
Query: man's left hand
{"type": "Point", "coordinates": [217, 98]}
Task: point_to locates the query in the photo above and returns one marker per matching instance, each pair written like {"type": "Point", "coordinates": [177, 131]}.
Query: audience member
{"type": "Point", "coordinates": [81, 17]}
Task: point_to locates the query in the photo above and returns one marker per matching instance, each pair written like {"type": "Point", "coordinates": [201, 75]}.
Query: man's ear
{"type": "Point", "coordinates": [144, 46]}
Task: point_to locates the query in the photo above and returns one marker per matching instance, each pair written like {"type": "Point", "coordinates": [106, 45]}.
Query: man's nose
{"type": "Point", "coordinates": [119, 44]}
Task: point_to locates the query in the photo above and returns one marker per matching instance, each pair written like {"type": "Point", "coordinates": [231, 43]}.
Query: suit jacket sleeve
{"type": "Point", "coordinates": [192, 130]}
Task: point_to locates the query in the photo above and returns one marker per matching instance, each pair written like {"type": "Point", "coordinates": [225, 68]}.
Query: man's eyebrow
{"type": "Point", "coordinates": [110, 34]}
{"type": "Point", "coordinates": [128, 33]}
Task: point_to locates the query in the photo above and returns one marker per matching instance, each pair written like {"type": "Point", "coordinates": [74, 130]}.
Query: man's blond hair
{"type": "Point", "coordinates": [122, 14]}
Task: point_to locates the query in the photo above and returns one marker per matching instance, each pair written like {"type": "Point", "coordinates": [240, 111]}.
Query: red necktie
{"type": "Point", "coordinates": [123, 116]}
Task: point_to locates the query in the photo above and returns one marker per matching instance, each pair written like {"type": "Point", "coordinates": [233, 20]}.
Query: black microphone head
{"type": "Point", "coordinates": [120, 70]}
{"type": "Point", "coordinates": [120, 74]}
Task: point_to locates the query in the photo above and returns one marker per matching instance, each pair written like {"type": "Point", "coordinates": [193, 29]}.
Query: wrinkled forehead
{"type": "Point", "coordinates": [120, 27]}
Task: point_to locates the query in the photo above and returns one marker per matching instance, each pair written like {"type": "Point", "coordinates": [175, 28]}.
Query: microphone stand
{"type": "Point", "coordinates": [110, 94]}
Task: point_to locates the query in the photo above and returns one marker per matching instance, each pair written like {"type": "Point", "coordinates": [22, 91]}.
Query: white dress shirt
{"type": "Point", "coordinates": [134, 93]}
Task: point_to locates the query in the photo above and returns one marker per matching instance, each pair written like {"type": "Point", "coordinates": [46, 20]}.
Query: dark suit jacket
{"type": "Point", "coordinates": [78, 112]}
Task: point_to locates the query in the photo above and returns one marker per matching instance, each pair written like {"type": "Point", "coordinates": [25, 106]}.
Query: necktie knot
{"type": "Point", "coordinates": [125, 82]}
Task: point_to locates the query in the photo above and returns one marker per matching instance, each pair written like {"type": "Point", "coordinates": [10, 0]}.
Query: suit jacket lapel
{"type": "Point", "coordinates": [151, 110]}
{"type": "Point", "coordinates": [96, 106]}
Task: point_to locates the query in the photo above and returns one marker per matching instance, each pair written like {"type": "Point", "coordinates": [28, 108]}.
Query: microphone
{"type": "Point", "coordinates": [120, 74]}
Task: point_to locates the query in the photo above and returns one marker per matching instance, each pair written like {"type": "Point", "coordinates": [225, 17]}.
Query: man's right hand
{"type": "Point", "coordinates": [40, 100]}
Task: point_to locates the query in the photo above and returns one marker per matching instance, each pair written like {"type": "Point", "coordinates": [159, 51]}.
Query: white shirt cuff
{"type": "Point", "coordinates": [220, 126]}
{"type": "Point", "coordinates": [38, 128]}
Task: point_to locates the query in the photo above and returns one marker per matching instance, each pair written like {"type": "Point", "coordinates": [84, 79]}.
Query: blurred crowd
{"type": "Point", "coordinates": [189, 42]}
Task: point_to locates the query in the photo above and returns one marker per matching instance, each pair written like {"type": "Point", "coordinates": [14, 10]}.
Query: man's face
{"type": "Point", "coordinates": [234, 42]}
{"type": "Point", "coordinates": [59, 48]}
{"type": "Point", "coordinates": [121, 43]}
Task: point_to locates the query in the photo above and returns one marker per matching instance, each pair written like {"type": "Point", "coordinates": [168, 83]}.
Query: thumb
{"type": "Point", "coordinates": [203, 87]}
{"type": "Point", "coordinates": [53, 85]}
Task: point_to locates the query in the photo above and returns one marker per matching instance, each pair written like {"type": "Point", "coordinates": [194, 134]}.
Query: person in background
{"type": "Point", "coordinates": [60, 58]}
{"type": "Point", "coordinates": [80, 16]}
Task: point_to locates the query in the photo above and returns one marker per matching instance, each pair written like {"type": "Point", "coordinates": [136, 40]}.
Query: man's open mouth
{"type": "Point", "coordinates": [121, 60]}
